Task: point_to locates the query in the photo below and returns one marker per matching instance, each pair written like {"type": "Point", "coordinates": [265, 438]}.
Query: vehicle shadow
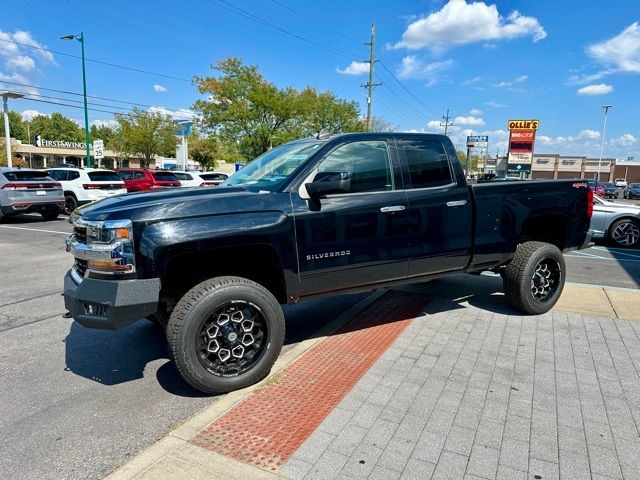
{"type": "Point", "coordinates": [32, 218]}
{"type": "Point", "coordinates": [140, 349]}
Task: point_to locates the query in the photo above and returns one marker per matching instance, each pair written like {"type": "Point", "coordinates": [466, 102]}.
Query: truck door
{"type": "Point", "coordinates": [358, 237]}
{"type": "Point", "coordinates": [440, 209]}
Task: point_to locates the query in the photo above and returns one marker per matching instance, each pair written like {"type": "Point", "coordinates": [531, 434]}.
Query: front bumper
{"type": "Point", "coordinates": [110, 304]}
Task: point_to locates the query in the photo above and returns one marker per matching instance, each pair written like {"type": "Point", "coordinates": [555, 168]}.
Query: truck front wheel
{"type": "Point", "coordinates": [225, 334]}
{"type": "Point", "coordinates": [534, 279]}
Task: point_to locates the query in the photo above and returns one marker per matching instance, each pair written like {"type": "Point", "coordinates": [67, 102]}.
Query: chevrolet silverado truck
{"type": "Point", "coordinates": [317, 216]}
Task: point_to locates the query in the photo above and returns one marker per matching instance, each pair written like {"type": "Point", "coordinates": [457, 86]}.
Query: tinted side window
{"type": "Point", "coordinates": [366, 162]}
{"type": "Point", "coordinates": [72, 175]}
{"type": "Point", "coordinates": [124, 175]}
{"type": "Point", "coordinates": [427, 163]}
{"type": "Point", "coordinates": [138, 175]}
{"type": "Point", "coordinates": [57, 174]}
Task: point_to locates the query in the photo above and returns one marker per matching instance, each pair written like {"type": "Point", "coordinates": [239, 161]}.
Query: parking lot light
{"type": "Point", "coordinates": [80, 38]}
{"type": "Point", "coordinates": [6, 95]}
{"type": "Point", "coordinates": [604, 129]}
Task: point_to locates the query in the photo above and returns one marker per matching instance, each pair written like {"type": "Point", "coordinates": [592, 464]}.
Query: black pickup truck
{"type": "Point", "coordinates": [347, 213]}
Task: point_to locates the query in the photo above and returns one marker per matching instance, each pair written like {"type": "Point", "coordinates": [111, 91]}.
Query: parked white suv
{"type": "Point", "coordinates": [188, 179]}
{"type": "Point", "coordinates": [621, 182]}
{"type": "Point", "coordinates": [84, 185]}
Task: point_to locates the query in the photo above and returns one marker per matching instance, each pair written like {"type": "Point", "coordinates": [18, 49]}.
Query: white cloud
{"type": "Point", "coordinates": [354, 68]}
{"type": "Point", "coordinates": [460, 23]}
{"type": "Point", "coordinates": [26, 38]}
{"type": "Point", "coordinates": [16, 78]}
{"type": "Point", "coordinates": [434, 124]}
{"type": "Point", "coordinates": [590, 134]}
{"type": "Point", "coordinates": [493, 104]}
{"type": "Point", "coordinates": [29, 115]}
{"type": "Point", "coordinates": [181, 113]}
{"type": "Point", "coordinates": [159, 88]}
{"type": "Point", "coordinates": [413, 67]}
{"type": "Point", "coordinates": [599, 89]}
{"type": "Point", "coordinates": [625, 140]}
{"type": "Point", "coordinates": [469, 120]}
{"type": "Point", "coordinates": [104, 123]}
{"type": "Point", "coordinates": [509, 83]}
{"type": "Point", "coordinates": [21, 62]}
{"type": "Point", "coordinates": [621, 52]}
{"type": "Point", "coordinates": [475, 112]}
{"type": "Point", "coordinates": [472, 81]}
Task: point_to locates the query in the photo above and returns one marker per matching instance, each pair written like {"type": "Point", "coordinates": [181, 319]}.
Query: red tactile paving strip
{"type": "Point", "coordinates": [270, 425]}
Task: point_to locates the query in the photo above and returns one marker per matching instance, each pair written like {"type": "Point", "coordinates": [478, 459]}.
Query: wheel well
{"type": "Point", "coordinates": [549, 229]}
{"type": "Point", "coordinates": [68, 192]}
{"type": "Point", "coordinates": [259, 263]}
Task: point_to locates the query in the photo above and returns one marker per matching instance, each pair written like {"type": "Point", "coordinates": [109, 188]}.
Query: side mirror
{"type": "Point", "coordinates": [329, 182]}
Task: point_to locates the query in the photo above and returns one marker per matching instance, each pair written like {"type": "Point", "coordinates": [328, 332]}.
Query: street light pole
{"type": "Point", "coordinates": [7, 134]}
{"type": "Point", "coordinates": [80, 38]}
{"type": "Point", "coordinates": [604, 129]}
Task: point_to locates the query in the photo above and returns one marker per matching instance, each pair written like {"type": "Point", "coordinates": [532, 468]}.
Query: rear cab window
{"type": "Point", "coordinates": [427, 163]}
{"type": "Point", "coordinates": [26, 176]}
{"type": "Point", "coordinates": [164, 176]}
{"type": "Point", "coordinates": [104, 177]}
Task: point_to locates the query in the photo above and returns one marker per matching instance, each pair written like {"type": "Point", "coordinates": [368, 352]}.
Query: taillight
{"type": "Point", "coordinates": [202, 184]}
{"type": "Point", "coordinates": [27, 186]}
{"type": "Point", "coordinates": [91, 186]}
{"type": "Point", "coordinates": [589, 203]}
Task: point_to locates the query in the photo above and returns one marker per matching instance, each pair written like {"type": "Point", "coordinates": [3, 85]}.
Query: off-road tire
{"type": "Point", "coordinates": [517, 277]}
{"type": "Point", "coordinates": [193, 310]}
{"type": "Point", "coordinates": [50, 214]}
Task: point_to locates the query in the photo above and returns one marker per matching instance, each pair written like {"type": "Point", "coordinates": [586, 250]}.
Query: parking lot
{"type": "Point", "coordinates": [53, 371]}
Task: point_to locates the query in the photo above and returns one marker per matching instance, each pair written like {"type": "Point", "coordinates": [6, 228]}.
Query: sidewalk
{"type": "Point", "coordinates": [438, 380]}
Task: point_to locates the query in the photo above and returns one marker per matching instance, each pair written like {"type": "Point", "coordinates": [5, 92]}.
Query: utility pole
{"type": "Point", "coordinates": [446, 123]}
{"type": "Point", "coordinates": [370, 85]}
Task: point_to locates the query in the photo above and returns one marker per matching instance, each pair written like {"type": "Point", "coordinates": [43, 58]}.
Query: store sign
{"type": "Point", "coordinates": [520, 157]}
{"type": "Point", "coordinates": [523, 124]}
{"type": "Point", "coordinates": [41, 142]}
{"type": "Point", "coordinates": [477, 141]}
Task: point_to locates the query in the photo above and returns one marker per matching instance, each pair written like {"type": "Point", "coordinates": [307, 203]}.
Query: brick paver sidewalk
{"type": "Point", "coordinates": [474, 393]}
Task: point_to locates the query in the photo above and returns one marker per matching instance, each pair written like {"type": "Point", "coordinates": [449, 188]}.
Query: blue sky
{"type": "Point", "coordinates": [557, 61]}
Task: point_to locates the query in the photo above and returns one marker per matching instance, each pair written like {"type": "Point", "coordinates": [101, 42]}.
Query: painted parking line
{"type": "Point", "coordinates": [619, 251]}
{"type": "Point", "coordinates": [606, 259]}
{"type": "Point", "coordinates": [35, 229]}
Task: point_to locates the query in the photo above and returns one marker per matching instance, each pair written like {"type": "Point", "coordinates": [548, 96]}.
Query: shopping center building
{"type": "Point", "coordinates": [556, 166]}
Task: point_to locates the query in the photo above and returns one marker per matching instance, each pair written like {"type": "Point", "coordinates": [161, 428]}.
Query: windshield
{"type": "Point", "coordinates": [608, 185]}
{"type": "Point", "coordinates": [634, 185]}
{"type": "Point", "coordinates": [271, 169]}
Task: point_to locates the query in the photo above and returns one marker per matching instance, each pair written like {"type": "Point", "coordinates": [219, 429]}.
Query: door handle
{"type": "Point", "coordinates": [394, 208]}
{"type": "Point", "coordinates": [457, 203]}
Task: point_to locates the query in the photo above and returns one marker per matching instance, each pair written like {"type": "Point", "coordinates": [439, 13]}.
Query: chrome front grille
{"type": "Point", "coordinates": [80, 233]}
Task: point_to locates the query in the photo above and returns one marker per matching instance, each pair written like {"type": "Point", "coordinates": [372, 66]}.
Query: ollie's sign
{"type": "Point", "coordinates": [522, 137]}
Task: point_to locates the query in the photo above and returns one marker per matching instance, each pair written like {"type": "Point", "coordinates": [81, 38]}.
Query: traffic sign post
{"type": "Point", "coordinates": [98, 151]}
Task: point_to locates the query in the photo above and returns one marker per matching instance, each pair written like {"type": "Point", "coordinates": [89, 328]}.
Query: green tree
{"type": "Point", "coordinates": [145, 134]}
{"type": "Point", "coordinates": [17, 128]}
{"type": "Point", "coordinates": [249, 112]}
{"type": "Point", "coordinates": [56, 127]}
{"type": "Point", "coordinates": [106, 133]}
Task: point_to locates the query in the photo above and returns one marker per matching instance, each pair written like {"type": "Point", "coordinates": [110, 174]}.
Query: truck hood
{"type": "Point", "coordinates": [168, 204]}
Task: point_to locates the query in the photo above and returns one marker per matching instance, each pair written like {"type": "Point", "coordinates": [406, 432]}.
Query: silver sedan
{"type": "Point", "coordinates": [616, 221]}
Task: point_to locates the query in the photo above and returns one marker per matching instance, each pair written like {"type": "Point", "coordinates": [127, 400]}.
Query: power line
{"type": "Point", "coordinates": [244, 13]}
{"type": "Point", "coordinates": [68, 105]}
{"type": "Point", "coordinates": [81, 102]}
{"type": "Point", "coordinates": [408, 91]}
{"type": "Point", "coordinates": [100, 62]}
{"type": "Point", "coordinates": [335, 32]}
{"type": "Point", "coordinates": [78, 94]}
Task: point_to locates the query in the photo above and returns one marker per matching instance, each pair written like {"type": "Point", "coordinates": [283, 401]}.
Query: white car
{"type": "Point", "coordinates": [213, 179]}
{"type": "Point", "coordinates": [621, 182]}
{"type": "Point", "coordinates": [189, 179]}
{"type": "Point", "coordinates": [84, 185]}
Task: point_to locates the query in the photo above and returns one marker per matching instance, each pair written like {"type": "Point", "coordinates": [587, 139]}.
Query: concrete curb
{"type": "Point", "coordinates": [175, 445]}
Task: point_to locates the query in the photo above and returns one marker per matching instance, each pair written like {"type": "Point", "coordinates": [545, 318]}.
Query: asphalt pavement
{"type": "Point", "coordinates": [76, 403]}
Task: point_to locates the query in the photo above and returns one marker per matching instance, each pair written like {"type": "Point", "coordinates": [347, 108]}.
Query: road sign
{"type": "Point", "coordinates": [477, 141]}
{"type": "Point", "coordinates": [98, 149]}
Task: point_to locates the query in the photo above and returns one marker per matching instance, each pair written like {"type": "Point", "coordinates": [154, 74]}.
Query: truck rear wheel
{"type": "Point", "coordinates": [534, 279]}
{"type": "Point", "coordinates": [225, 334]}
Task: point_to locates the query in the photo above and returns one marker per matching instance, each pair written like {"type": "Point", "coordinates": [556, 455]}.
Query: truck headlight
{"type": "Point", "coordinates": [114, 240]}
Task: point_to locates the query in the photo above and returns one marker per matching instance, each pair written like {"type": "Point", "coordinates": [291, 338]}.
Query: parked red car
{"type": "Point", "coordinates": [139, 179]}
{"type": "Point", "coordinates": [597, 188]}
